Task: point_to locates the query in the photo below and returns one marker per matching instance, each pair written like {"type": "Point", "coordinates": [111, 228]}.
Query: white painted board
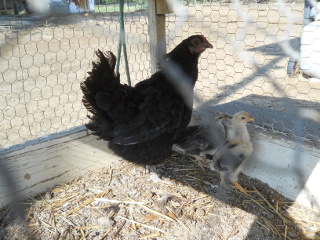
{"type": "Point", "coordinates": [41, 166]}
{"type": "Point", "coordinates": [38, 167]}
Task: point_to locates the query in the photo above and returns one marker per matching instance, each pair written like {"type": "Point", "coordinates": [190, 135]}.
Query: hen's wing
{"type": "Point", "coordinates": [121, 103]}
{"type": "Point", "coordinates": [130, 115]}
{"type": "Point", "coordinates": [162, 111]}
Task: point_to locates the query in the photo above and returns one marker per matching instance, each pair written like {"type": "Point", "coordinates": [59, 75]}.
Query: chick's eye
{"type": "Point", "coordinates": [243, 118]}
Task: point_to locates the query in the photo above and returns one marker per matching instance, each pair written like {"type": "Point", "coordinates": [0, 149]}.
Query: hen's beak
{"type": "Point", "coordinates": [207, 44]}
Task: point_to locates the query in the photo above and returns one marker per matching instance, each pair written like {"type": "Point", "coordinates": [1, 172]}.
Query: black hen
{"type": "Point", "coordinates": [141, 123]}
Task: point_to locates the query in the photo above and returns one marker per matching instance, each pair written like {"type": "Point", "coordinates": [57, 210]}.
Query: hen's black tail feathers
{"type": "Point", "coordinates": [100, 79]}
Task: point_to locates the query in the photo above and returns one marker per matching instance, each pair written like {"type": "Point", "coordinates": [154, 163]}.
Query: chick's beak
{"type": "Point", "coordinates": [251, 119]}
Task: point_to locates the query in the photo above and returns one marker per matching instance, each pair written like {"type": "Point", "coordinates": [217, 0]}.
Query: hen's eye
{"type": "Point", "coordinates": [196, 41]}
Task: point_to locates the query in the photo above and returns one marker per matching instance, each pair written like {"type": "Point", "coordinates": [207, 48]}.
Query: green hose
{"type": "Point", "coordinates": [122, 42]}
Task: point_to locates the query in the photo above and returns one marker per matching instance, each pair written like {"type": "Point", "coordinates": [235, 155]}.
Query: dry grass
{"type": "Point", "coordinates": [123, 203]}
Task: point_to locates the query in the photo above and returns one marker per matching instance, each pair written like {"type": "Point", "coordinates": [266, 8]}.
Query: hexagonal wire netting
{"type": "Point", "coordinates": [43, 59]}
{"type": "Point", "coordinates": [248, 69]}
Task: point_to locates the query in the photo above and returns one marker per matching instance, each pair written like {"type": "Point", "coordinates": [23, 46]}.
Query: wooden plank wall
{"type": "Point", "coordinates": [40, 166]}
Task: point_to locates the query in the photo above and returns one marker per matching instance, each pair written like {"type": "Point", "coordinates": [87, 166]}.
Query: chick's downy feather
{"type": "Point", "coordinates": [228, 159]}
{"type": "Point", "coordinates": [198, 138]}
{"type": "Point", "coordinates": [142, 122]}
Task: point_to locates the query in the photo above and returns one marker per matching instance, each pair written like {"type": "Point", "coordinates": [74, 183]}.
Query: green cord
{"type": "Point", "coordinates": [122, 42]}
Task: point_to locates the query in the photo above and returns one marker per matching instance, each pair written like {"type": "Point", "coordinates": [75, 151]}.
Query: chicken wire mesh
{"type": "Point", "coordinates": [44, 58]}
{"type": "Point", "coordinates": [248, 70]}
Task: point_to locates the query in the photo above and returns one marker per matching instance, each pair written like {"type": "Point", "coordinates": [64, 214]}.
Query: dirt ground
{"type": "Point", "coordinates": [122, 202]}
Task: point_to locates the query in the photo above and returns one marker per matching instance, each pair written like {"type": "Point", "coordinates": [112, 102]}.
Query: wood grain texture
{"type": "Point", "coordinates": [290, 169]}
{"type": "Point", "coordinates": [157, 33]}
{"type": "Point", "coordinates": [41, 166]}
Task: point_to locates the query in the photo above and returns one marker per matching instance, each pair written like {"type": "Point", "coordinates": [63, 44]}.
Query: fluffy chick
{"type": "Point", "coordinates": [229, 159]}
{"type": "Point", "coordinates": [198, 138]}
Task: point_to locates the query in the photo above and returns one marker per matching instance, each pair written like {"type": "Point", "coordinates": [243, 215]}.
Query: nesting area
{"type": "Point", "coordinates": [122, 202]}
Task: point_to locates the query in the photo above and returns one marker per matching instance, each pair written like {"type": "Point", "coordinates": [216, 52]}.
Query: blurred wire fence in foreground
{"type": "Point", "coordinates": [45, 57]}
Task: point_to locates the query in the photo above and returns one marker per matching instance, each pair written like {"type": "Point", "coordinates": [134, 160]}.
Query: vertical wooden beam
{"type": "Point", "coordinates": [157, 31]}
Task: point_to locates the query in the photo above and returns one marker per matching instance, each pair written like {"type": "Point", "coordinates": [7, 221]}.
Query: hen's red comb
{"type": "Point", "coordinates": [204, 38]}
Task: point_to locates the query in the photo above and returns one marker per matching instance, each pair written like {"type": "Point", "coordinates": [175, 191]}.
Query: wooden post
{"type": "Point", "coordinates": [157, 31]}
